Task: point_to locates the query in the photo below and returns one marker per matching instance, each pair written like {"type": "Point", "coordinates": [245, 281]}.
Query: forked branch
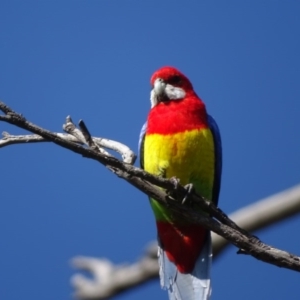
{"type": "Point", "coordinates": [170, 195]}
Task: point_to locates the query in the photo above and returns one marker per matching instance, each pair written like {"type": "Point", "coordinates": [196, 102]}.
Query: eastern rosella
{"type": "Point", "coordinates": [181, 140]}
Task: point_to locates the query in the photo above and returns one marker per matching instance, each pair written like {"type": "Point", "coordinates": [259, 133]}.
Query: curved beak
{"type": "Point", "coordinates": [159, 87]}
{"type": "Point", "coordinates": [164, 92]}
{"type": "Point", "coordinates": [159, 90]}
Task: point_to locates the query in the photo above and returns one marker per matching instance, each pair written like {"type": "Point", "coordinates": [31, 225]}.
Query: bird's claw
{"type": "Point", "coordinates": [189, 189]}
{"type": "Point", "coordinates": [175, 181]}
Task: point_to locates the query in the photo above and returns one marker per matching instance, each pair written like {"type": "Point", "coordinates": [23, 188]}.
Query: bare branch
{"type": "Point", "coordinates": [82, 135]}
{"type": "Point", "coordinates": [170, 195]}
{"type": "Point", "coordinates": [263, 213]}
{"type": "Point", "coordinates": [75, 136]}
{"type": "Point", "coordinates": [259, 215]}
{"type": "Point", "coordinates": [148, 183]}
{"type": "Point", "coordinates": [9, 139]}
{"type": "Point", "coordinates": [109, 279]}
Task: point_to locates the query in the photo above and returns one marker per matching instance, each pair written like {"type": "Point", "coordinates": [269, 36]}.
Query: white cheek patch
{"type": "Point", "coordinates": [171, 92]}
{"type": "Point", "coordinates": [174, 93]}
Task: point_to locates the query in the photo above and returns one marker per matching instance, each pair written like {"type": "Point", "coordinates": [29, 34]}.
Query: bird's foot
{"type": "Point", "coordinates": [189, 190]}
{"type": "Point", "coordinates": [175, 182]}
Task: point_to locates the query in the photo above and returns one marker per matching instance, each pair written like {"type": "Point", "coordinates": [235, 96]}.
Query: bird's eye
{"type": "Point", "coordinates": [175, 80]}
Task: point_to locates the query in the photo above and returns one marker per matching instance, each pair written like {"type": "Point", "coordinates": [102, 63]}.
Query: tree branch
{"type": "Point", "coordinates": [259, 215]}
{"type": "Point", "coordinates": [109, 279]}
{"type": "Point", "coordinates": [75, 136]}
{"type": "Point", "coordinates": [262, 214]}
{"type": "Point", "coordinates": [170, 196]}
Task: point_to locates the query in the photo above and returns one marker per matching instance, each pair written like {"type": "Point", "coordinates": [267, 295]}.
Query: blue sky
{"type": "Point", "coordinates": [93, 60]}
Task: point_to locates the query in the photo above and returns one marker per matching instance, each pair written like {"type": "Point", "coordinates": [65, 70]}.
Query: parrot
{"type": "Point", "coordinates": [181, 140]}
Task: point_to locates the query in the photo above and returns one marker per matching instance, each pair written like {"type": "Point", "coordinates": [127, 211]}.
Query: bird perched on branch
{"type": "Point", "coordinates": [181, 140]}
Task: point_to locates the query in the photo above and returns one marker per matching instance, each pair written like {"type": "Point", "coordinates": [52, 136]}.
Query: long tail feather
{"type": "Point", "coordinates": [194, 286]}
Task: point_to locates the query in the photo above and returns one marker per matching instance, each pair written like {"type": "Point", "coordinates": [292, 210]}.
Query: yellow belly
{"type": "Point", "coordinates": [188, 156]}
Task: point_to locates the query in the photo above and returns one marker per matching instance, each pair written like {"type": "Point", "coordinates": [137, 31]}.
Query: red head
{"type": "Point", "coordinates": [169, 84]}
{"type": "Point", "coordinates": [172, 76]}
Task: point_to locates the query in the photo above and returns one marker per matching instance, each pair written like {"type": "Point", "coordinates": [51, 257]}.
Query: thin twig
{"type": "Point", "coordinates": [75, 136]}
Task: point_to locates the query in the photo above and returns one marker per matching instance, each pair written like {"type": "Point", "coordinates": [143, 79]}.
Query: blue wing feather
{"type": "Point", "coordinates": [218, 157]}
{"type": "Point", "coordinates": [141, 144]}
